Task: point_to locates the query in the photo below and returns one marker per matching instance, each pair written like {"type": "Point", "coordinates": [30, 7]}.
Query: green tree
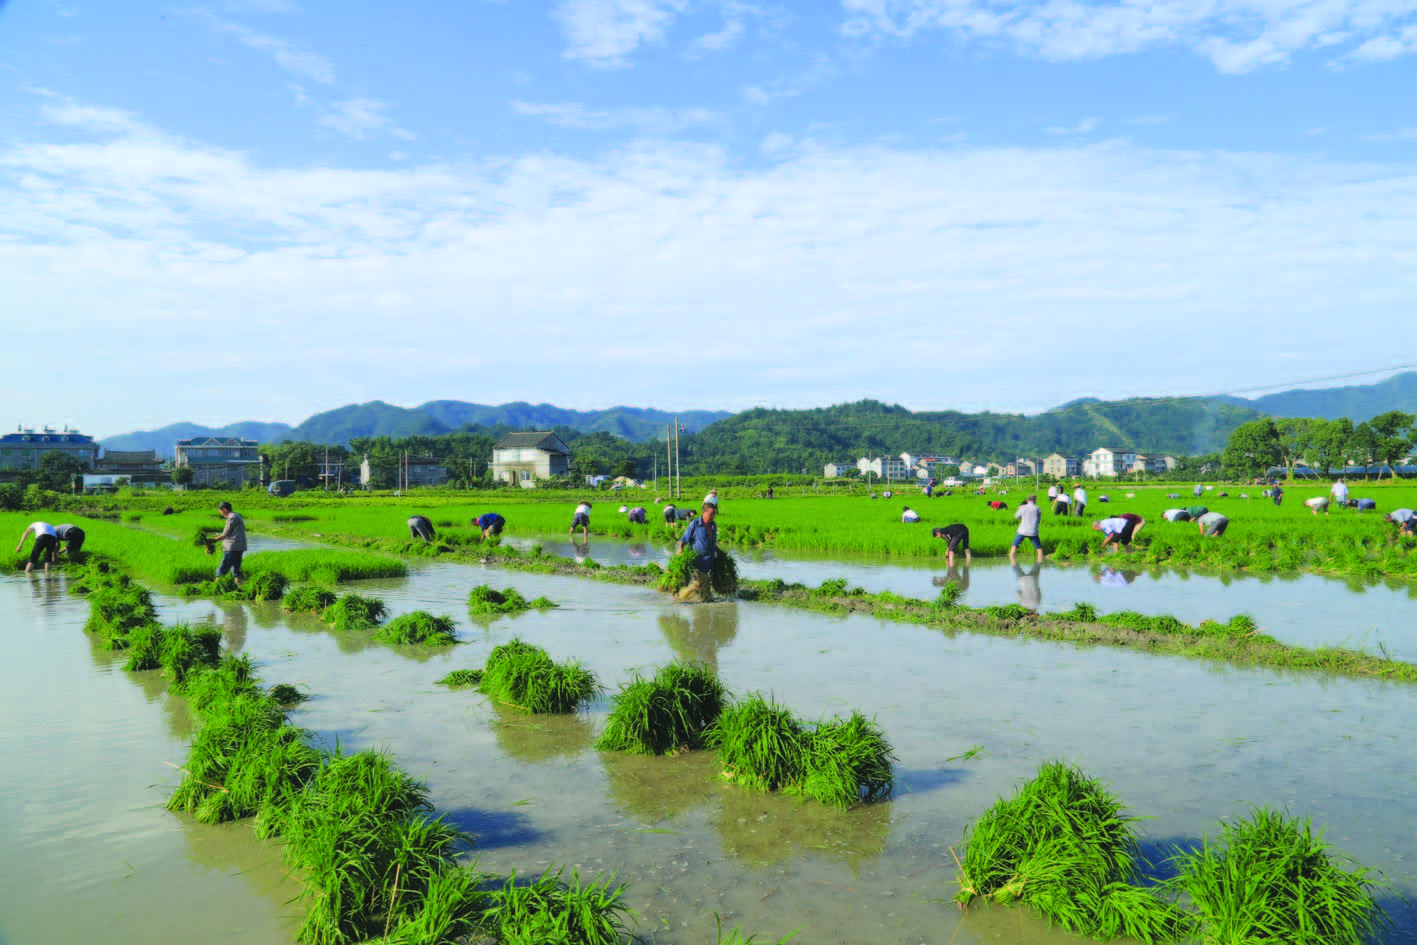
{"type": "Point", "coordinates": [1253, 448]}
{"type": "Point", "coordinates": [182, 476]}
{"type": "Point", "coordinates": [1328, 443]}
{"type": "Point", "coordinates": [1295, 437]}
{"type": "Point", "coordinates": [1393, 432]}
{"type": "Point", "coordinates": [1363, 444]}
{"type": "Point", "coordinates": [628, 469]}
{"type": "Point", "coordinates": [57, 469]}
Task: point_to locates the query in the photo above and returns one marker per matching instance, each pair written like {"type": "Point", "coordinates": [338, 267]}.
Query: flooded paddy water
{"type": "Point", "coordinates": [87, 852]}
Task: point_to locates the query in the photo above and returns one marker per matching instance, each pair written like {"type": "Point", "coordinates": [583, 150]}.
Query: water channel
{"type": "Point", "coordinates": [88, 853]}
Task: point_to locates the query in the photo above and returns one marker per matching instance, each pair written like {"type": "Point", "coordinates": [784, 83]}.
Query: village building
{"type": "Point", "coordinates": [1062, 467]}
{"type": "Point", "coordinates": [224, 462]}
{"type": "Point", "coordinates": [139, 467]}
{"type": "Point", "coordinates": [837, 470]}
{"type": "Point", "coordinates": [1105, 462]}
{"type": "Point", "coordinates": [882, 467]}
{"type": "Point", "coordinates": [526, 457]}
{"type": "Point", "coordinates": [20, 451]}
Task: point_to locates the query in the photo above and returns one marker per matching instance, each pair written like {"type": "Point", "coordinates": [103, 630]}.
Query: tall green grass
{"type": "Point", "coordinates": [524, 676]}
{"type": "Point", "coordinates": [840, 762]}
{"type": "Point", "coordinates": [667, 713]}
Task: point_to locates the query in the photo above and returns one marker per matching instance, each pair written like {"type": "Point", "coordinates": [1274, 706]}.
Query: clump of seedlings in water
{"type": "Point", "coordinates": [838, 762]}
{"type": "Point", "coordinates": [308, 600]}
{"type": "Point", "coordinates": [524, 676]}
{"type": "Point", "coordinates": [354, 612]}
{"type": "Point", "coordinates": [285, 694]}
{"type": "Point", "coordinates": [679, 573]}
{"type": "Point", "coordinates": [1063, 845]}
{"type": "Point", "coordinates": [262, 585]}
{"type": "Point", "coordinates": [419, 627]}
{"type": "Point", "coordinates": [668, 713]}
{"type": "Point", "coordinates": [484, 601]}
{"type": "Point", "coordinates": [461, 679]}
{"type": "Point", "coordinates": [1272, 880]}
{"type": "Point", "coordinates": [553, 910]}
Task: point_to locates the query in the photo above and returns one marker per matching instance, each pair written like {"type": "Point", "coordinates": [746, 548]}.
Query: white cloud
{"type": "Point", "coordinates": [604, 32]}
{"type": "Point", "coordinates": [1236, 35]}
{"type": "Point", "coordinates": [288, 55]}
{"type": "Point", "coordinates": [358, 118]}
{"type": "Point", "coordinates": [831, 274]}
{"type": "Point", "coordinates": [1081, 128]}
{"type": "Point", "coordinates": [658, 121]}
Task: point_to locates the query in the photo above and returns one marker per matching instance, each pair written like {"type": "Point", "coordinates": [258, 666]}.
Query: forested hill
{"type": "Point", "coordinates": [812, 438]}
{"type": "Point", "coordinates": [165, 438]}
{"type": "Point", "coordinates": [1357, 403]}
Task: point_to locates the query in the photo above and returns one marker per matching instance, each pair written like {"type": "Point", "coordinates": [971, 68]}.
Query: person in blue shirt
{"type": "Point", "coordinates": [702, 536]}
{"type": "Point", "coordinates": [490, 522]}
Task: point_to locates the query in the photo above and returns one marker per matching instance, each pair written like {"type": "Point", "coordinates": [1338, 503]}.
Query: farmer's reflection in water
{"type": "Point", "coordinates": [1114, 577]}
{"type": "Point", "coordinates": [696, 637]}
{"type": "Point", "coordinates": [957, 574]}
{"type": "Point", "coordinates": [1030, 594]}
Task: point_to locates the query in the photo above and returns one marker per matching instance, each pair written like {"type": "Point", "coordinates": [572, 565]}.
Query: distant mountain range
{"type": "Point", "coordinates": [377, 418]}
{"type": "Point", "coordinates": [1175, 425]}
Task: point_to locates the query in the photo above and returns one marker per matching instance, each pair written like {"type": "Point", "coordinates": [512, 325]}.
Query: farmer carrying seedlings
{"type": "Point", "coordinates": [702, 536]}
{"type": "Point", "coordinates": [233, 542]}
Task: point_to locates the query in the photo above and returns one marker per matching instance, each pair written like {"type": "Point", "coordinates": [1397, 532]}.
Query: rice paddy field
{"type": "Point", "coordinates": [935, 733]}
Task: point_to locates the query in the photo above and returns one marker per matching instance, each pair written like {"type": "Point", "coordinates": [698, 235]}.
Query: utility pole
{"type": "Point", "coordinates": [669, 460]}
{"type": "Point", "coordinates": [325, 479]}
{"type": "Point", "coordinates": [679, 482]}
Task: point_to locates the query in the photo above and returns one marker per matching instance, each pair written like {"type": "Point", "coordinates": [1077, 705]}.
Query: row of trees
{"type": "Point", "coordinates": [1319, 444]}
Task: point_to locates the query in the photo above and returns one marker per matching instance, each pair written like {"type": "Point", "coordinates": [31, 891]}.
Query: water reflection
{"type": "Point", "coordinates": [45, 587]}
{"type": "Point", "coordinates": [762, 829]}
{"type": "Point", "coordinates": [539, 738]}
{"type": "Point", "coordinates": [698, 636]}
{"type": "Point", "coordinates": [956, 574]}
{"type": "Point", "coordinates": [655, 789]}
{"type": "Point", "coordinates": [232, 850]}
{"type": "Point", "coordinates": [1109, 576]}
{"type": "Point", "coordinates": [1030, 594]}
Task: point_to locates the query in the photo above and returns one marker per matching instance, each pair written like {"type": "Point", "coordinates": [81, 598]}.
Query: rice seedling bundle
{"type": "Point", "coordinates": [1062, 845]}
{"type": "Point", "coordinates": [1274, 881]}
{"type": "Point", "coordinates": [359, 830]}
{"type": "Point", "coordinates": [461, 679]}
{"type": "Point", "coordinates": [232, 676]}
{"type": "Point", "coordinates": [449, 913]}
{"type": "Point", "coordinates": [243, 756]}
{"type": "Point", "coordinates": [678, 572]}
{"type": "Point", "coordinates": [309, 600]}
{"type": "Point", "coordinates": [524, 676]}
{"type": "Point", "coordinates": [419, 627]}
{"type": "Point", "coordinates": [284, 694]}
{"type": "Point", "coordinates": [668, 713]}
{"type": "Point", "coordinates": [353, 612]}
{"type": "Point", "coordinates": [550, 911]}
{"type": "Point", "coordinates": [187, 650]}
{"type": "Point", "coordinates": [760, 744]}
{"type": "Point", "coordinates": [848, 761]}
{"type": "Point", "coordinates": [115, 610]}
{"type": "Point", "coordinates": [484, 600]}
{"type": "Point", "coordinates": [145, 646]}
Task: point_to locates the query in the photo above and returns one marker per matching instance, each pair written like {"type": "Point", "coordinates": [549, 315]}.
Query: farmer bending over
{"type": "Point", "coordinates": [1404, 519]}
{"type": "Point", "coordinates": [957, 537]}
{"type": "Point", "coordinates": [1212, 524]}
{"type": "Point", "coordinates": [73, 538]}
{"type": "Point", "coordinates": [420, 527]}
{"type": "Point", "coordinates": [702, 536]}
{"type": "Point", "coordinates": [581, 520]}
{"type": "Point", "coordinates": [1115, 529]}
{"type": "Point", "coordinates": [491, 524]}
{"type": "Point", "coordinates": [46, 544]}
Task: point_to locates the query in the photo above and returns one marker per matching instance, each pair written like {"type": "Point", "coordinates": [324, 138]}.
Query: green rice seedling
{"type": "Point", "coordinates": [448, 913]}
{"type": "Point", "coordinates": [145, 646]}
{"type": "Point", "coordinates": [241, 758]}
{"type": "Point", "coordinates": [550, 911]}
{"type": "Point", "coordinates": [725, 573]}
{"type": "Point", "coordinates": [294, 517]}
{"type": "Point", "coordinates": [360, 833]}
{"type": "Point", "coordinates": [1081, 612]}
{"type": "Point", "coordinates": [461, 679]}
{"type": "Point", "coordinates": [524, 676]}
{"type": "Point", "coordinates": [232, 676]}
{"type": "Point", "coordinates": [735, 936]}
{"type": "Point", "coordinates": [309, 600]}
{"type": "Point", "coordinates": [200, 539]}
{"type": "Point", "coordinates": [668, 713]}
{"type": "Point", "coordinates": [483, 600]}
{"type": "Point", "coordinates": [354, 612]}
{"type": "Point", "coordinates": [1274, 881]}
{"type": "Point", "coordinates": [284, 694]}
{"type": "Point", "coordinates": [1242, 625]}
{"type": "Point", "coordinates": [760, 744]}
{"type": "Point", "coordinates": [187, 650]}
{"type": "Point", "coordinates": [115, 610]}
{"type": "Point", "coordinates": [1006, 611]}
{"type": "Point", "coordinates": [848, 761]}
{"type": "Point", "coordinates": [678, 573]}
{"type": "Point", "coordinates": [419, 627]}
{"type": "Point", "coordinates": [1062, 845]}
{"type": "Point", "coordinates": [949, 596]}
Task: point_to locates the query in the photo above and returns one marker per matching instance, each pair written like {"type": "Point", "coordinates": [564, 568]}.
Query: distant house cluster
{"type": "Point", "coordinates": [1101, 463]}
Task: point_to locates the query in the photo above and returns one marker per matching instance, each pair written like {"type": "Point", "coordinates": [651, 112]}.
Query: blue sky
{"type": "Point", "coordinates": [260, 209]}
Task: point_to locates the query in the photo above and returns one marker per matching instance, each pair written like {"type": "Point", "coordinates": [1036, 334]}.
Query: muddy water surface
{"type": "Point", "coordinates": [1184, 743]}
